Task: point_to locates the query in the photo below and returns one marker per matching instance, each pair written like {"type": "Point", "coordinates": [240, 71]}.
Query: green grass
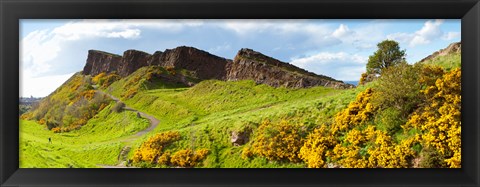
{"type": "Point", "coordinates": [205, 115]}
{"type": "Point", "coordinates": [98, 142]}
{"type": "Point", "coordinates": [448, 62]}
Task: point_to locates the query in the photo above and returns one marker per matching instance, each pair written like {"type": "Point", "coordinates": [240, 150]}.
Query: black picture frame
{"type": "Point", "coordinates": [13, 10]}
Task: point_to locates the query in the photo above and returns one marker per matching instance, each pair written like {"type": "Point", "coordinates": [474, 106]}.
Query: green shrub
{"type": "Point", "coordinates": [389, 120]}
{"type": "Point", "coordinates": [430, 158]}
{"type": "Point", "coordinates": [118, 107]}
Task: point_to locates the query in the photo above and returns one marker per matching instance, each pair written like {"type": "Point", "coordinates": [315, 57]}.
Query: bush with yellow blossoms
{"type": "Point", "coordinates": [439, 120]}
{"type": "Point", "coordinates": [151, 149]}
{"type": "Point", "coordinates": [188, 158]}
{"type": "Point", "coordinates": [358, 112]}
{"type": "Point", "coordinates": [279, 141]}
{"type": "Point", "coordinates": [316, 146]}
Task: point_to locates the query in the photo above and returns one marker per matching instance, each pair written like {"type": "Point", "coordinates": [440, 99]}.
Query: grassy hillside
{"type": "Point", "coordinates": [204, 114]}
{"type": "Point", "coordinates": [408, 117]}
{"type": "Point", "coordinates": [448, 62]}
{"type": "Point", "coordinates": [98, 142]}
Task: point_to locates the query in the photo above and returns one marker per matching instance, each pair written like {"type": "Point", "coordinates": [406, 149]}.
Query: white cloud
{"type": "Point", "coordinates": [341, 65]}
{"type": "Point", "coordinates": [430, 31]}
{"type": "Point", "coordinates": [342, 31]}
{"type": "Point", "coordinates": [361, 38]}
{"type": "Point", "coordinates": [451, 35]}
{"type": "Point", "coordinates": [316, 33]}
{"type": "Point", "coordinates": [41, 86]}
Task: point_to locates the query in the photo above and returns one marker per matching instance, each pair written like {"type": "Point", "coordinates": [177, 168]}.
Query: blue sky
{"type": "Point", "coordinates": [52, 50]}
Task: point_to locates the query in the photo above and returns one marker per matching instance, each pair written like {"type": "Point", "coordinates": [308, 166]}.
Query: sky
{"type": "Point", "coordinates": [51, 51]}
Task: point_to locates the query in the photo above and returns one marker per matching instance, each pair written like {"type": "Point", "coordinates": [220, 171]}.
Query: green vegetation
{"type": "Point", "coordinates": [388, 54]}
{"type": "Point", "coordinates": [98, 142]}
{"type": "Point", "coordinates": [447, 62]}
{"type": "Point", "coordinates": [407, 117]}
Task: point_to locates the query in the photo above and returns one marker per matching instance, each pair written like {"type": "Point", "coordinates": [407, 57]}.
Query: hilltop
{"type": "Point", "coordinates": [198, 64]}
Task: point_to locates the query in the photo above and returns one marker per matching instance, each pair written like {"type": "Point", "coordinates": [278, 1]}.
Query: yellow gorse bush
{"type": "Point", "coordinates": [348, 145]}
{"type": "Point", "coordinates": [358, 112]}
{"type": "Point", "coordinates": [278, 141]}
{"type": "Point", "coordinates": [316, 146]}
{"type": "Point", "coordinates": [440, 120]}
{"type": "Point", "coordinates": [188, 158]}
{"type": "Point", "coordinates": [151, 149]}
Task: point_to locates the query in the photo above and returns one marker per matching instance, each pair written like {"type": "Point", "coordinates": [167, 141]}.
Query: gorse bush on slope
{"type": "Point", "coordinates": [151, 149]}
{"type": "Point", "coordinates": [439, 119]}
{"type": "Point", "coordinates": [358, 143]}
{"type": "Point", "coordinates": [70, 106]}
{"type": "Point", "coordinates": [153, 152]}
{"type": "Point", "coordinates": [279, 141]}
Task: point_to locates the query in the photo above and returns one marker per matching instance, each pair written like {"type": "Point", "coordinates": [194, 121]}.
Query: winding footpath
{"type": "Point", "coordinates": [122, 157]}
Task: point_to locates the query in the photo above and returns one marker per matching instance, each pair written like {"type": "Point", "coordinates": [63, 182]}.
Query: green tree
{"type": "Point", "coordinates": [387, 54]}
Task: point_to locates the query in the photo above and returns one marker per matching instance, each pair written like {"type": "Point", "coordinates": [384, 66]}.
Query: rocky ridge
{"type": "Point", "coordinates": [452, 48]}
{"type": "Point", "coordinates": [247, 64]}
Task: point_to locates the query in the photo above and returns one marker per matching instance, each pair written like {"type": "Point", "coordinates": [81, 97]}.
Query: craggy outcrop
{"type": "Point", "coordinates": [99, 61]}
{"type": "Point", "coordinates": [452, 48]}
{"type": "Point", "coordinates": [247, 64]}
{"type": "Point", "coordinates": [203, 64]}
{"type": "Point", "coordinates": [131, 61]}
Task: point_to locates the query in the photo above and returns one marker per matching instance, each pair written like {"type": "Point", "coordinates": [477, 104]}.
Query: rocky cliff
{"type": "Point", "coordinates": [452, 48]}
{"type": "Point", "coordinates": [247, 64]}
{"type": "Point", "coordinates": [99, 61]}
{"type": "Point", "coordinates": [202, 64]}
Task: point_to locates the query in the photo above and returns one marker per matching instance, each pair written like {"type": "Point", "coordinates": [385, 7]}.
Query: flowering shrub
{"type": "Point", "coordinates": [151, 149]}
{"type": "Point", "coordinates": [439, 121]}
{"type": "Point", "coordinates": [358, 112]}
{"type": "Point", "coordinates": [279, 141]}
{"type": "Point", "coordinates": [316, 146]}
{"type": "Point", "coordinates": [188, 158]}
{"type": "Point", "coordinates": [104, 80]}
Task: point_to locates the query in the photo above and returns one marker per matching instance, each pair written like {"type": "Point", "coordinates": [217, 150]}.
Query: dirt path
{"type": "Point", "coordinates": [122, 157]}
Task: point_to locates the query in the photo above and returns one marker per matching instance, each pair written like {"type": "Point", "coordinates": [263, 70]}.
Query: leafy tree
{"type": "Point", "coordinates": [387, 54]}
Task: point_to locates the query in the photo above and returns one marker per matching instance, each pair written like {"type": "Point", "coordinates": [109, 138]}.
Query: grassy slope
{"type": "Point", "coordinates": [448, 62]}
{"type": "Point", "coordinates": [98, 142]}
{"type": "Point", "coordinates": [208, 112]}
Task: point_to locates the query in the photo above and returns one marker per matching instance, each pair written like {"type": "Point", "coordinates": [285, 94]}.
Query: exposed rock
{"type": "Point", "coordinates": [203, 64]}
{"type": "Point", "coordinates": [239, 138]}
{"type": "Point", "coordinates": [99, 61]}
{"type": "Point", "coordinates": [131, 61]}
{"type": "Point", "coordinates": [249, 64]}
{"type": "Point", "coordinates": [452, 48]}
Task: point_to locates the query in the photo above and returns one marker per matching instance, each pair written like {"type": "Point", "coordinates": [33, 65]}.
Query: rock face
{"type": "Point", "coordinates": [203, 64]}
{"type": "Point", "coordinates": [99, 61]}
{"type": "Point", "coordinates": [131, 61]}
{"type": "Point", "coordinates": [247, 64]}
{"type": "Point", "coordinates": [452, 48]}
